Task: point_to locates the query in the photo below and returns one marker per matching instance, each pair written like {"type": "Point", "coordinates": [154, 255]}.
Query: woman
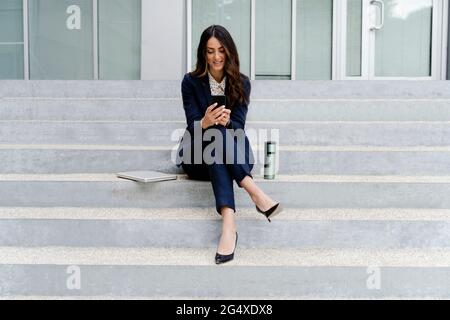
{"type": "Point", "coordinates": [217, 73]}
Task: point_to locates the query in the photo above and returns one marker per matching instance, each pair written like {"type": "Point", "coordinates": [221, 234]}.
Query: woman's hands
{"type": "Point", "coordinates": [220, 115]}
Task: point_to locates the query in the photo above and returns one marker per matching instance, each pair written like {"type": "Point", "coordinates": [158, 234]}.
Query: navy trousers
{"type": "Point", "coordinates": [223, 174]}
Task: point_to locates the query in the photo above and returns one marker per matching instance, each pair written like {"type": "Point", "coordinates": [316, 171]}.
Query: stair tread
{"type": "Point", "coordinates": [111, 177]}
{"type": "Point", "coordinates": [278, 88]}
{"type": "Point", "coordinates": [320, 257]}
{"type": "Point", "coordinates": [181, 214]}
{"type": "Point", "coordinates": [288, 148]}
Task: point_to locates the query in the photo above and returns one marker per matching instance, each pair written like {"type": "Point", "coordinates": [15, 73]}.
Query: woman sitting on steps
{"type": "Point", "coordinates": [217, 73]}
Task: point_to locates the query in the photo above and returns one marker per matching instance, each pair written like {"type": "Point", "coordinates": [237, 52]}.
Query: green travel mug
{"type": "Point", "coordinates": [269, 159]}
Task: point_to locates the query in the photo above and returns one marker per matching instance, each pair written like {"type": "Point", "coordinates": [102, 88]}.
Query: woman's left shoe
{"type": "Point", "coordinates": [220, 258]}
{"type": "Point", "coordinates": [272, 212]}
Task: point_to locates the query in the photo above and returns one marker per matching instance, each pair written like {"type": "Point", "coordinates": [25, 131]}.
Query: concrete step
{"type": "Point", "coordinates": [90, 89]}
{"type": "Point", "coordinates": [288, 133]}
{"type": "Point", "coordinates": [43, 272]}
{"type": "Point", "coordinates": [369, 194]}
{"type": "Point", "coordinates": [254, 274]}
{"type": "Point", "coordinates": [280, 109]}
{"type": "Point", "coordinates": [186, 228]}
{"type": "Point", "coordinates": [60, 159]}
{"type": "Point", "coordinates": [304, 160]}
{"type": "Point", "coordinates": [275, 89]}
{"type": "Point", "coordinates": [105, 190]}
{"type": "Point", "coordinates": [209, 213]}
{"type": "Point", "coordinates": [321, 257]}
{"type": "Point", "coordinates": [92, 109]}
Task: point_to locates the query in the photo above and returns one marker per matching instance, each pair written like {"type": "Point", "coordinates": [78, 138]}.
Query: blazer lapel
{"type": "Point", "coordinates": [206, 90]}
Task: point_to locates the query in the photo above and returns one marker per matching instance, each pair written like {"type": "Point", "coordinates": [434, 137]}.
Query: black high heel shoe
{"type": "Point", "coordinates": [220, 258]}
{"type": "Point", "coordinates": [272, 212]}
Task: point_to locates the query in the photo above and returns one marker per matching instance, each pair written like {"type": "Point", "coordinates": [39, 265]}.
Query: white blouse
{"type": "Point", "coordinates": [217, 89]}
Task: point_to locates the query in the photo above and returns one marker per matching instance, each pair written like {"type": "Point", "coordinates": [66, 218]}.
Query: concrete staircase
{"type": "Point", "coordinates": [364, 174]}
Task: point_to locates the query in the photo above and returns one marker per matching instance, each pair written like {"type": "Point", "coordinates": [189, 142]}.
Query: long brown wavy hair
{"type": "Point", "coordinates": [234, 88]}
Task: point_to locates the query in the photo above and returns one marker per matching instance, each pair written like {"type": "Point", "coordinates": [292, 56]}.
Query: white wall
{"type": "Point", "coordinates": [163, 39]}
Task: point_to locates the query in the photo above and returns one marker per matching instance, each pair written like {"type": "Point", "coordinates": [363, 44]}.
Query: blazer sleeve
{"type": "Point", "coordinates": [191, 109]}
{"type": "Point", "coordinates": [239, 114]}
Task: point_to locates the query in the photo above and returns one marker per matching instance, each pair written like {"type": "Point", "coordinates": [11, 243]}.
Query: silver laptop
{"type": "Point", "coordinates": [146, 176]}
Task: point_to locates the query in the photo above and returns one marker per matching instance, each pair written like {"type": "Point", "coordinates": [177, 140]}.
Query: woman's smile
{"type": "Point", "coordinates": [215, 55]}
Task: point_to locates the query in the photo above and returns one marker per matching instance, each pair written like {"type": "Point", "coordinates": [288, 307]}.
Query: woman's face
{"type": "Point", "coordinates": [215, 55]}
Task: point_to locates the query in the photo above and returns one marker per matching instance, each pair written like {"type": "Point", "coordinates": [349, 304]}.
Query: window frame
{"type": "Point", "coordinates": [338, 59]}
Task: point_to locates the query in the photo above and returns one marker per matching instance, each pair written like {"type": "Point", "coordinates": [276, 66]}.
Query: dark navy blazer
{"type": "Point", "coordinates": [196, 93]}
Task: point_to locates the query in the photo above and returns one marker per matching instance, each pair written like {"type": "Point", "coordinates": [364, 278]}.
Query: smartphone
{"type": "Point", "coordinates": [221, 100]}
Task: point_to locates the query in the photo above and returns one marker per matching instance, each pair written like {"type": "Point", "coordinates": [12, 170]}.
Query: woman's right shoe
{"type": "Point", "coordinates": [272, 212]}
{"type": "Point", "coordinates": [220, 258]}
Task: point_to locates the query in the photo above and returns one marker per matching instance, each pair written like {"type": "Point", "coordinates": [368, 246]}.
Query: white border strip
{"type": "Point", "coordinates": [255, 148]}
{"type": "Point", "coordinates": [209, 213]}
{"type": "Point", "coordinates": [444, 48]}
{"type": "Point", "coordinates": [249, 122]}
{"type": "Point", "coordinates": [189, 35]}
{"type": "Point", "coordinates": [95, 37]}
{"type": "Point", "coordinates": [436, 40]}
{"type": "Point", "coordinates": [26, 57]}
{"type": "Point", "coordinates": [367, 42]}
{"type": "Point", "coordinates": [111, 177]}
{"type": "Point", "coordinates": [337, 38]}
{"type": "Point", "coordinates": [171, 297]}
{"type": "Point", "coordinates": [294, 41]}
{"type": "Point", "coordinates": [280, 100]}
{"type": "Point", "coordinates": [141, 68]}
{"type": "Point", "coordinates": [253, 41]}
{"type": "Point", "coordinates": [81, 256]}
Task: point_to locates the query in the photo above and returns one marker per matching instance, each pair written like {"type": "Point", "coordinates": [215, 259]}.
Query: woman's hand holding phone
{"type": "Point", "coordinates": [216, 115]}
{"type": "Point", "coordinates": [225, 117]}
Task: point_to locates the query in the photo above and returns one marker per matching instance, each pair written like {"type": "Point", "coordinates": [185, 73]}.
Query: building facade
{"type": "Point", "coordinates": [276, 39]}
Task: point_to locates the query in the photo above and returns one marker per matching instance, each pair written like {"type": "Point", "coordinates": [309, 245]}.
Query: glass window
{"type": "Point", "coordinates": [314, 39]}
{"type": "Point", "coordinates": [234, 15]}
{"type": "Point", "coordinates": [273, 39]}
{"type": "Point", "coordinates": [403, 45]}
{"type": "Point", "coordinates": [119, 36]}
{"type": "Point", "coordinates": [354, 38]}
{"type": "Point", "coordinates": [61, 39]}
{"type": "Point", "coordinates": [11, 39]}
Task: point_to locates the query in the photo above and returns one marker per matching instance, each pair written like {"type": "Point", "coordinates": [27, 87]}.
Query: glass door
{"type": "Point", "coordinates": [392, 39]}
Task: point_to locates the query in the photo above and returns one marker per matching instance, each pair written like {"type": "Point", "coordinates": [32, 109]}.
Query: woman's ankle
{"type": "Point", "coordinates": [263, 201]}
{"type": "Point", "coordinates": [257, 198]}
{"type": "Point", "coordinates": [228, 221]}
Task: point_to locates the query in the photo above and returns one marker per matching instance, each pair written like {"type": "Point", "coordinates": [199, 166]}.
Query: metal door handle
{"type": "Point", "coordinates": [381, 25]}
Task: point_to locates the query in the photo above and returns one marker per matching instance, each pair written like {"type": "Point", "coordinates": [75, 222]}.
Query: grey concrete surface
{"type": "Point", "coordinates": [258, 233]}
{"type": "Point", "coordinates": [220, 282]}
{"type": "Point", "coordinates": [75, 159]}
{"type": "Point", "coordinates": [262, 89]}
{"type": "Point", "coordinates": [353, 146]}
{"type": "Point", "coordinates": [165, 133]}
{"type": "Point", "coordinates": [187, 193]}
{"type": "Point", "coordinates": [170, 109]}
